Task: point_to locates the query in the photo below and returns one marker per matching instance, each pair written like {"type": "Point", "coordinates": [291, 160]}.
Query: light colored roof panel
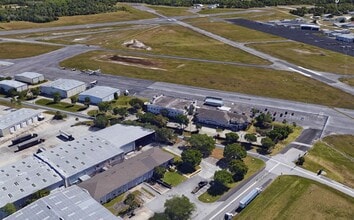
{"type": "Point", "coordinates": [64, 84]}
{"type": "Point", "coordinates": [30, 75]}
{"type": "Point", "coordinates": [12, 83]}
{"type": "Point", "coordinates": [72, 203]}
{"type": "Point", "coordinates": [21, 179]}
{"type": "Point", "coordinates": [99, 91]}
{"type": "Point", "coordinates": [16, 117]}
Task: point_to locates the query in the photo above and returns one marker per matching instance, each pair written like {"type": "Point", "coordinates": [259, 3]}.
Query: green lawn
{"type": "Point", "coordinates": [253, 165]}
{"type": "Point", "coordinates": [349, 81]}
{"type": "Point", "coordinates": [335, 155]}
{"type": "Point", "coordinates": [292, 197]}
{"type": "Point", "coordinates": [309, 56]}
{"type": "Point", "coordinates": [281, 144]}
{"type": "Point", "coordinates": [110, 205]}
{"type": "Point", "coordinates": [61, 105]}
{"type": "Point", "coordinates": [219, 10]}
{"type": "Point", "coordinates": [171, 11]}
{"type": "Point", "coordinates": [249, 80]}
{"type": "Point", "coordinates": [174, 178]}
{"type": "Point", "coordinates": [14, 50]}
{"type": "Point", "coordinates": [263, 14]}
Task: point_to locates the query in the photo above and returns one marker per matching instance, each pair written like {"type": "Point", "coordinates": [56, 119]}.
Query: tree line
{"type": "Point", "coordinates": [51, 10]}
{"type": "Point", "coordinates": [325, 8]}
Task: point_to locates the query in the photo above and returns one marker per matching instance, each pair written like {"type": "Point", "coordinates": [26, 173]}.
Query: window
{"type": "Point", "coordinates": [10, 195]}
{"type": "Point", "coordinates": [66, 161]}
{"type": "Point", "coordinates": [29, 166]}
{"type": "Point", "coordinates": [16, 183]}
{"type": "Point", "coordinates": [74, 167]}
{"type": "Point", "coordinates": [27, 178]}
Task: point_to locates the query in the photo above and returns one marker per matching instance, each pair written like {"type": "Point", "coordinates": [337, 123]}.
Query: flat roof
{"type": "Point", "coordinates": [64, 84]}
{"type": "Point", "coordinates": [23, 178]}
{"type": "Point", "coordinates": [171, 102]}
{"type": "Point", "coordinates": [70, 203]}
{"type": "Point", "coordinates": [121, 174]}
{"type": "Point", "coordinates": [75, 156]}
{"type": "Point", "coordinates": [99, 91]}
{"type": "Point", "coordinates": [16, 117]}
{"type": "Point", "coordinates": [224, 116]}
{"type": "Point", "coordinates": [12, 83]}
{"type": "Point", "coordinates": [120, 135]}
{"type": "Point", "coordinates": [30, 75]}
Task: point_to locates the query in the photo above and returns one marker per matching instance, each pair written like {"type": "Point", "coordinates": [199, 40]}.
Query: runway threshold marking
{"type": "Point", "coordinates": [311, 71]}
{"type": "Point", "coordinates": [298, 71]}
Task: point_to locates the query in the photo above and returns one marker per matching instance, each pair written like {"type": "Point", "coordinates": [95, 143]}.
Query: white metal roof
{"type": "Point", "coordinates": [12, 83]}
{"type": "Point", "coordinates": [16, 117]}
{"type": "Point", "coordinates": [99, 92]}
{"type": "Point", "coordinates": [64, 84]}
{"type": "Point", "coordinates": [75, 156]}
{"type": "Point", "coordinates": [72, 203]}
{"type": "Point", "coordinates": [30, 75]}
{"type": "Point", "coordinates": [24, 177]}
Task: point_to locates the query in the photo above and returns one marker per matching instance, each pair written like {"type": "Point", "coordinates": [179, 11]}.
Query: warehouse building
{"type": "Point", "coordinates": [99, 94]}
{"type": "Point", "coordinates": [23, 178]}
{"type": "Point", "coordinates": [65, 87]}
{"type": "Point", "coordinates": [174, 106]}
{"type": "Point", "coordinates": [16, 120]}
{"type": "Point", "coordinates": [6, 85]}
{"type": "Point", "coordinates": [29, 77]}
{"type": "Point", "coordinates": [120, 178]}
{"type": "Point", "coordinates": [221, 119]}
{"type": "Point", "coordinates": [72, 203]}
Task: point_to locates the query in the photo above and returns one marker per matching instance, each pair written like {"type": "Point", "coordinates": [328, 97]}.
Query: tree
{"type": "Point", "coordinates": [101, 121]}
{"type": "Point", "coordinates": [9, 208]}
{"type": "Point", "coordinates": [231, 137]}
{"type": "Point", "coordinates": [191, 157]}
{"type": "Point", "coordinates": [267, 144]}
{"type": "Point", "coordinates": [116, 96]}
{"type": "Point", "coordinates": [35, 91]}
{"type": "Point", "coordinates": [164, 135]}
{"type": "Point", "coordinates": [159, 216]}
{"type": "Point", "coordinates": [300, 161]}
{"type": "Point", "coordinates": [223, 177]}
{"type": "Point", "coordinates": [59, 116]}
{"type": "Point", "coordinates": [12, 92]}
{"type": "Point", "coordinates": [203, 143]}
{"type": "Point", "coordinates": [234, 151]}
{"type": "Point", "coordinates": [87, 101]}
{"type": "Point", "coordinates": [182, 120]}
{"type": "Point", "coordinates": [264, 120]}
{"type": "Point", "coordinates": [250, 137]}
{"type": "Point", "coordinates": [238, 168]}
{"type": "Point", "coordinates": [159, 172]}
{"type": "Point", "coordinates": [104, 106]}
{"type": "Point", "coordinates": [74, 99]}
{"type": "Point", "coordinates": [120, 111]}
{"type": "Point", "coordinates": [179, 208]}
{"type": "Point", "coordinates": [56, 97]}
{"type": "Point", "coordinates": [136, 103]}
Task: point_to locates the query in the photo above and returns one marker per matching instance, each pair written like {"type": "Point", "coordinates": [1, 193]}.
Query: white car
{"type": "Point", "coordinates": [228, 216]}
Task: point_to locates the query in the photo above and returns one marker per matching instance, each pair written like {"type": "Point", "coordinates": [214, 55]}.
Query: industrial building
{"type": "Point", "coordinates": [118, 179]}
{"type": "Point", "coordinates": [174, 106]}
{"type": "Point", "coordinates": [21, 179]}
{"type": "Point", "coordinates": [65, 87]}
{"type": "Point", "coordinates": [6, 85]}
{"type": "Point", "coordinates": [99, 94]}
{"type": "Point", "coordinates": [310, 27]}
{"type": "Point", "coordinates": [29, 77]}
{"type": "Point", "coordinates": [221, 119]}
{"type": "Point", "coordinates": [349, 38]}
{"type": "Point", "coordinates": [76, 160]}
{"type": "Point", "coordinates": [72, 203]}
{"type": "Point", "coordinates": [16, 120]}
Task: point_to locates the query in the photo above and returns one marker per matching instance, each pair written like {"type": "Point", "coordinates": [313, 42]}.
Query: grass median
{"type": "Point", "coordinates": [349, 81]}
{"type": "Point", "coordinates": [334, 155]}
{"type": "Point", "coordinates": [292, 197]}
{"type": "Point", "coordinates": [249, 80]}
{"type": "Point", "coordinates": [60, 105]}
{"type": "Point", "coordinates": [16, 50]}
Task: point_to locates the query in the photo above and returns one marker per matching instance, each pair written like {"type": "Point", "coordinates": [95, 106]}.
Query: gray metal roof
{"type": "Point", "coordinates": [171, 102]}
{"type": "Point", "coordinates": [30, 75]}
{"type": "Point", "coordinates": [73, 157]}
{"type": "Point", "coordinates": [99, 91]}
{"type": "Point", "coordinates": [16, 117]}
{"type": "Point", "coordinates": [121, 135]}
{"type": "Point", "coordinates": [21, 179]}
{"type": "Point", "coordinates": [12, 83]}
{"type": "Point", "coordinates": [70, 203]}
{"type": "Point", "coordinates": [64, 84]}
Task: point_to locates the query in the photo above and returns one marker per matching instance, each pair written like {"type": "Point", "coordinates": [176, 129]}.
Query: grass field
{"type": "Point", "coordinates": [16, 50]}
{"type": "Point", "coordinates": [231, 31]}
{"type": "Point", "coordinates": [349, 81]}
{"type": "Point", "coordinates": [335, 155]}
{"type": "Point", "coordinates": [218, 10]}
{"type": "Point", "coordinates": [61, 105]}
{"type": "Point", "coordinates": [292, 197]}
{"type": "Point", "coordinates": [171, 11]}
{"type": "Point", "coordinates": [173, 178]}
{"type": "Point", "coordinates": [256, 81]}
{"type": "Point", "coordinates": [281, 144]}
{"type": "Point", "coordinates": [264, 14]}
{"type": "Point", "coordinates": [253, 165]}
{"type": "Point", "coordinates": [130, 14]}
{"type": "Point", "coordinates": [309, 56]}
{"type": "Point", "coordinates": [169, 40]}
